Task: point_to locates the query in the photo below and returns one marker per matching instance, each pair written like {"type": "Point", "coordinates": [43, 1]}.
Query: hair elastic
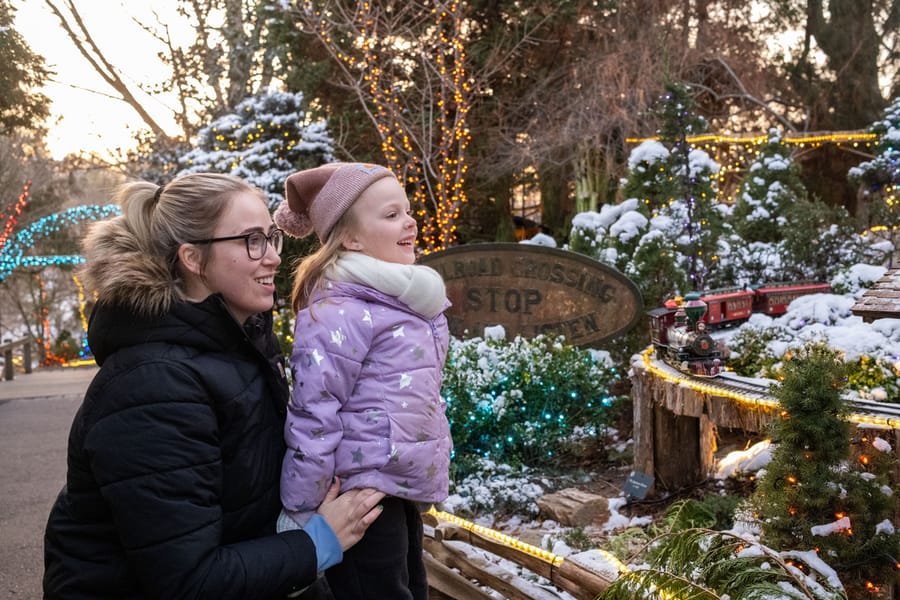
{"type": "Point", "coordinates": [158, 193]}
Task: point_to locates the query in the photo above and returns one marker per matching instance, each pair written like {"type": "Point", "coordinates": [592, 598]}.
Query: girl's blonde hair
{"type": "Point", "coordinates": [309, 274]}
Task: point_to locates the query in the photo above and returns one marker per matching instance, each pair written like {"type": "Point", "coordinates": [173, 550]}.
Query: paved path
{"type": "Point", "coordinates": [36, 411]}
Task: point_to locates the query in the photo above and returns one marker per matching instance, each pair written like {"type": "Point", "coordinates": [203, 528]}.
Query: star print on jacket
{"type": "Point", "coordinates": [338, 337]}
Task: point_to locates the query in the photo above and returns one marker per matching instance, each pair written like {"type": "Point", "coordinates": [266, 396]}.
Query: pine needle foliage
{"type": "Point", "coordinates": [702, 564]}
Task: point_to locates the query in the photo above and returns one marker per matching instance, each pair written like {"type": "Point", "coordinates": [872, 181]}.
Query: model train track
{"type": "Point", "coordinates": [757, 392]}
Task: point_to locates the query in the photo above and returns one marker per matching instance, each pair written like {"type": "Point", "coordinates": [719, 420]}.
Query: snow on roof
{"type": "Point", "coordinates": [881, 300]}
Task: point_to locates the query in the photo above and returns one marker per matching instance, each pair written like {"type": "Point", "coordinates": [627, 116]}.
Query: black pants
{"type": "Point", "coordinates": [387, 562]}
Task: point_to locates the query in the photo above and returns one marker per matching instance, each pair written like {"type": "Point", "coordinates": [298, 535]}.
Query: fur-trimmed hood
{"type": "Point", "coordinates": [124, 274]}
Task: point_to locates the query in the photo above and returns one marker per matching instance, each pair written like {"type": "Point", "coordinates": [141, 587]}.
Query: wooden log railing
{"type": "Point", "coordinates": [7, 350]}
{"type": "Point", "coordinates": [452, 545]}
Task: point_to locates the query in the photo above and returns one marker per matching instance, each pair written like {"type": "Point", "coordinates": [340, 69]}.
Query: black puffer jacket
{"type": "Point", "coordinates": [173, 464]}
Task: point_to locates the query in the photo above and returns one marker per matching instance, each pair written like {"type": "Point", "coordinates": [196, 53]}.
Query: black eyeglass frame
{"type": "Point", "coordinates": [246, 237]}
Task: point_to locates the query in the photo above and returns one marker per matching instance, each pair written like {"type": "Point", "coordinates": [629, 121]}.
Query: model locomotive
{"type": "Point", "coordinates": [679, 329]}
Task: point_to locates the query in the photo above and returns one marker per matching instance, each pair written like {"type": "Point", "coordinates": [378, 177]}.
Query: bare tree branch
{"type": "Point", "coordinates": [79, 35]}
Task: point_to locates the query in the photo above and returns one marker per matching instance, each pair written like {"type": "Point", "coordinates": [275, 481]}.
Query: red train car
{"type": "Point", "coordinates": [727, 307]}
{"type": "Point", "coordinates": [773, 299]}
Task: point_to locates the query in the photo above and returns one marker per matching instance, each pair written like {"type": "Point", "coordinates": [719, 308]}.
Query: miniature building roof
{"type": "Point", "coordinates": [882, 300]}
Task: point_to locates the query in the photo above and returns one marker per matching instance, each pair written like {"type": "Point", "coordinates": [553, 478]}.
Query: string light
{"type": "Point", "coordinates": [44, 314]}
{"type": "Point", "coordinates": [752, 401]}
{"type": "Point", "coordinates": [15, 251]}
{"type": "Point", "coordinates": [545, 555]}
{"type": "Point", "coordinates": [854, 137]}
{"type": "Point", "coordinates": [734, 152]}
{"type": "Point", "coordinates": [436, 185]}
{"type": "Point", "coordinates": [13, 214]}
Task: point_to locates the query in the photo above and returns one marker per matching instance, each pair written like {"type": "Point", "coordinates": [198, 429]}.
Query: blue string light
{"type": "Point", "coordinates": [16, 253]}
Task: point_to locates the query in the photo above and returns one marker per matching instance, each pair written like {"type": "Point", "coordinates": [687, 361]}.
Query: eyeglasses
{"type": "Point", "coordinates": [256, 242]}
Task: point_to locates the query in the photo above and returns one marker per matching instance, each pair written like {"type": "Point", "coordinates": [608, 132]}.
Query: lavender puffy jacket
{"type": "Point", "coordinates": [366, 402]}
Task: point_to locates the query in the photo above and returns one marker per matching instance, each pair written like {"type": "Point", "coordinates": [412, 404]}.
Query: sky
{"type": "Point", "coordinates": [84, 115]}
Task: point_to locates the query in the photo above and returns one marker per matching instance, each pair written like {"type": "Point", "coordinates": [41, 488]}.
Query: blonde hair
{"type": "Point", "coordinates": [309, 274]}
{"type": "Point", "coordinates": [132, 259]}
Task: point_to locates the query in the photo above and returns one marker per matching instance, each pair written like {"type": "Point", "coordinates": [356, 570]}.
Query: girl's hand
{"type": "Point", "coordinates": [351, 513]}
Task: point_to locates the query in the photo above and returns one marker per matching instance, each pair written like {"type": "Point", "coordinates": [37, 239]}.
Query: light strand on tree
{"type": "Point", "coordinates": [435, 179]}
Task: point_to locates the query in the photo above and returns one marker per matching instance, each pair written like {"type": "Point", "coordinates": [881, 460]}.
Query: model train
{"type": "Point", "coordinates": [679, 329]}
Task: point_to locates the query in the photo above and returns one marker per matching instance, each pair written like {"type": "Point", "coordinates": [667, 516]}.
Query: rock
{"type": "Point", "coordinates": [572, 507]}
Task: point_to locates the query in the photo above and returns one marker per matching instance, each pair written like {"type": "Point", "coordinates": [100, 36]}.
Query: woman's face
{"type": "Point", "coordinates": [382, 226]}
{"type": "Point", "coordinates": [247, 285]}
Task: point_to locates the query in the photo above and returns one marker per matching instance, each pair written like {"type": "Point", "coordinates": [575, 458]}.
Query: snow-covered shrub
{"type": "Point", "coordinates": [749, 350]}
{"type": "Point", "coordinates": [489, 488]}
{"type": "Point", "coordinates": [522, 401]}
{"type": "Point", "coordinates": [875, 378]}
{"type": "Point", "coordinates": [642, 248]}
{"type": "Point", "coordinates": [871, 352]}
{"type": "Point", "coordinates": [856, 279]}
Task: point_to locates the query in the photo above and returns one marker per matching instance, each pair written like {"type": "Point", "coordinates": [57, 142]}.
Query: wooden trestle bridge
{"type": "Point", "coordinates": [676, 419]}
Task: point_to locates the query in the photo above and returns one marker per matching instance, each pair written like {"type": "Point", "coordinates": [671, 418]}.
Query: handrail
{"type": "Point", "coordinates": [6, 349]}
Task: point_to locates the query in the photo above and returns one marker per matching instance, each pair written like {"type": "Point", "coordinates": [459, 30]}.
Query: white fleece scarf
{"type": "Point", "coordinates": [419, 287]}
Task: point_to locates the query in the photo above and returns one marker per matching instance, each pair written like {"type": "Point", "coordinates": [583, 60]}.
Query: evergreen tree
{"type": "Point", "coordinates": [879, 178]}
{"type": "Point", "coordinates": [20, 73]}
{"type": "Point", "coordinates": [679, 184]}
{"type": "Point", "coordinates": [759, 218]}
{"type": "Point", "coordinates": [648, 178]}
{"type": "Point", "coordinates": [267, 138]}
{"type": "Point", "coordinates": [812, 495]}
{"type": "Point", "coordinates": [771, 185]}
{"type": "Point", "coordinates": [691, 172]}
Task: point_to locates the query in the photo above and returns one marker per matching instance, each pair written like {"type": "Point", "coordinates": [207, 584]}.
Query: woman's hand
{"type": "Point", "coordinates": [351, 513]}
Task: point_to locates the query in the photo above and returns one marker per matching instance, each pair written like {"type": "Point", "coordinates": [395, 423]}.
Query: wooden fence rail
{"type": "Point", "coordinates": [452, 543]}
{"type": "Point", "coordinates": [7, 350]}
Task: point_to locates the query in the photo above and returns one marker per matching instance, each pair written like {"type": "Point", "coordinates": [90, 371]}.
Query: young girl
{"type": "Point", "coordinates": [369, 347]}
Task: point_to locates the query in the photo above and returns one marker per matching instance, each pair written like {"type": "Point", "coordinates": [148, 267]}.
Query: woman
{"type": "Point", "coordinates": [174, 457]}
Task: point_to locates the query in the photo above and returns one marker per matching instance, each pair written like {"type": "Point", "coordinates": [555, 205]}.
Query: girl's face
{"type": "Point", "coordinates": [381, 224]}
{"type": "Point", "coordinates": [247, 285]}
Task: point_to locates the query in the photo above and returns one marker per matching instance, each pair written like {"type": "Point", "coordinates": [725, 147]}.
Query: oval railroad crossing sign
{"type": "Point", "coordinates": [532, 290]}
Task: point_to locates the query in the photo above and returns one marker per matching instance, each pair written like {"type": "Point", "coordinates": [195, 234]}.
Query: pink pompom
{"type": "Point", "coordinates": [294, 224]}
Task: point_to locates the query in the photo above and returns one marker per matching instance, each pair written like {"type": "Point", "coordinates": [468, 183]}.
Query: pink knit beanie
{"type": "Point", "coordinates": [315, 199]}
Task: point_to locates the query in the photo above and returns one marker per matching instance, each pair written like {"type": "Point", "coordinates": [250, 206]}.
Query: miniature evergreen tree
{"type": "Point", "coordinates": [812, 495]}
